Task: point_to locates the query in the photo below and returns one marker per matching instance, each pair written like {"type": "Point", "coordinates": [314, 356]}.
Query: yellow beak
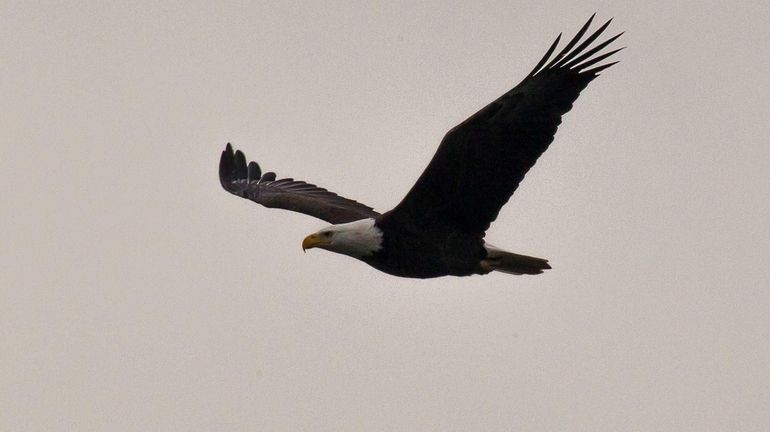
{"type": "Point", "coordinates": [313, 240]}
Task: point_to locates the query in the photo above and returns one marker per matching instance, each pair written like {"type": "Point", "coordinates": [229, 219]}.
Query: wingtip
{"type": "Point", "coordinates": [239, 165]}
{"type": "Point", "coordinates": [226, 163]}
{"type": "Point", "coordinates": [547, 56]}
{"type": "Point", "coordinates": [254, 172]}
{"type": "Point", "coordinates": [227, 153]}
{"type": "Point", "coordinates": [595, 71]}
{"type": "Point", "coordinates": [240, 157]}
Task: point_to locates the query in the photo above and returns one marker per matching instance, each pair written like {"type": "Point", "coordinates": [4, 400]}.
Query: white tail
{"type": "Point", "coordinates": [511, 263]}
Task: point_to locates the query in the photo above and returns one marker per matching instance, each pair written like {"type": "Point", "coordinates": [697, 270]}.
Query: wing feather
{"type": "Point", "coordinates": [247, 181]}
{"type": "Point", "coordinates": [481, 161]}
{"type": "Point", "coordinates": [572, 42]}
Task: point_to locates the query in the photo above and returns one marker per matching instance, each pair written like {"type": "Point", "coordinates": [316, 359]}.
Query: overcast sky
{"type": "Point", "coordinates": [137, 295]}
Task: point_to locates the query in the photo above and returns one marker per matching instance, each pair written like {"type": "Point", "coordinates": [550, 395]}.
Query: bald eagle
{"type": "Point", "coordinates": [438, 228]}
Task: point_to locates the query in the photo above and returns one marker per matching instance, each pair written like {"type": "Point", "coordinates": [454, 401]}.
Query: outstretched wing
{"type": "Point", "coordinates": [247, 181]}
{"type": "Point", "coordinates": [481, 162]}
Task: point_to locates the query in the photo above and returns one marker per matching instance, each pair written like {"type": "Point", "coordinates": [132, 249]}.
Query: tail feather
{"type": "Point", "coordinates": [511, 263]}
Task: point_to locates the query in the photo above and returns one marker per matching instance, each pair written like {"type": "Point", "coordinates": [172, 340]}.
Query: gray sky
{"type": "Point", "coordinates": [136, 294]}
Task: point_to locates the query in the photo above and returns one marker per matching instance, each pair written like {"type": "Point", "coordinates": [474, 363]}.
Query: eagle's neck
{"type": "Point", "coordinates": [358, 239]}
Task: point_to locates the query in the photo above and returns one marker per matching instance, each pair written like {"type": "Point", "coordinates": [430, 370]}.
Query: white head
{"type": "Point", "coordinates": [357, 239]}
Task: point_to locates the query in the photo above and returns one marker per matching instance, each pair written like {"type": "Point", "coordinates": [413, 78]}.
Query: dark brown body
{"type": "Point", "coordinates": [426, 251]}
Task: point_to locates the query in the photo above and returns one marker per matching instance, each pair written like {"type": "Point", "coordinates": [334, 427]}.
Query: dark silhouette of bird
{"type": "Point", "coordinates": [438, 228]}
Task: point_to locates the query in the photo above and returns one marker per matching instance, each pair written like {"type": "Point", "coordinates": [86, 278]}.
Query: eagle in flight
{"type": "Point", "coordinates": [438, 228]}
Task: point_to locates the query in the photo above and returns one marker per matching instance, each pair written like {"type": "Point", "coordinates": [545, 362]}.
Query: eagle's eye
{"type": "Point", "coordinates": [326, 234]}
